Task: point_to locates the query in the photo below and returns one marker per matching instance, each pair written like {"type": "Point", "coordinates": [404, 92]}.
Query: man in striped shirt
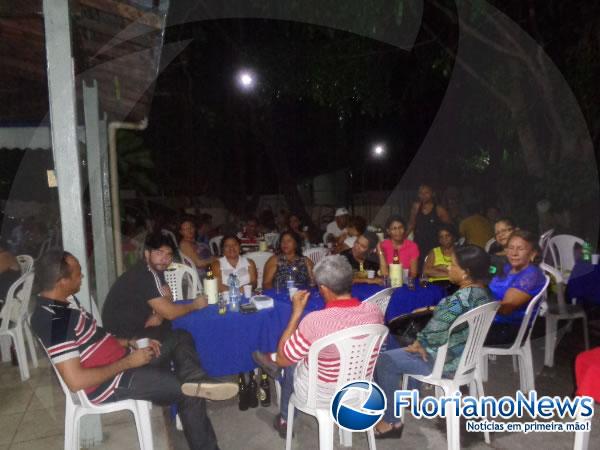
{"type": "Point", "coordinates": [333, 275]}
{"type": "Point", "coordinates": [108, 368]}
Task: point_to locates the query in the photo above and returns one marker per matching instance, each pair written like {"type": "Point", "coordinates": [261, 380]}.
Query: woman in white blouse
{"type": "Point", "coordinates": [233, 262]}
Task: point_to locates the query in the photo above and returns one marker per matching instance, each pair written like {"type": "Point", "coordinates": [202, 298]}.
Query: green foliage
{"type": "Point", "coordinates": [135, 164]}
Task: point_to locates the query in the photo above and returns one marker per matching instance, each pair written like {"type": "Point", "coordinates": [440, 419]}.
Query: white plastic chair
{"type": "Point", "coordinates": [489, 244]}
{"type": "Point", "coordinates": [521, 347]}
{"type": "Point", "coordinates": [381, 299]}
{"type": "Point", "coordinates": [44, 247]}
{"type": "Point", "coordinates": [316, 254]}
{"type": "Point", "coordinates": [561, 311]}
{"type": "Point", "coordinates": [215, 245]}
{"type": "Point", "coordinates": [357, 347]}
{"type": "Point", "coordinates": [78, 405]}
{"type": "Point", "coordinates": [175, 278]}
{"type": "Point", "coordinates": [582, 438]}
{"type": "Point", "coordinates": [26, 263]}
{"type": "Point", "coordinates": [260, 259]}
{"type": "Point", "coordinates": [271, 239]}
{"type": "Point", "coordinates": [562, 248]}
{"type": "Point", "coordinates": [479, 320]}
{"type": "Point", "coordinates": [543, 242]}
{"type": "Point", "coordinates": [15, 325]}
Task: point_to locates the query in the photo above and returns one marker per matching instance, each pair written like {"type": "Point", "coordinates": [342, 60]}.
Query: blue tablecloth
{"type": "Point", "coordinates": [584, 283]}
{"type": "Point", "coordinates": [225, 342]}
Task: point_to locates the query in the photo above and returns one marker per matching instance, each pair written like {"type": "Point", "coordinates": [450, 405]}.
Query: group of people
{"type": "Point", "coordinates": [106, 362]}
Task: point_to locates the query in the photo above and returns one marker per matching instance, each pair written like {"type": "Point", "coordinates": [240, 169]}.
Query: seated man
{"type": "Point", "coordinates": [140, 304]}
{"type": "Point", "coordinates": [108, 368]}
{"type": "Point", "coordinates": [363, 256]}
{"type": "Point", "coordinates": [333, 276]}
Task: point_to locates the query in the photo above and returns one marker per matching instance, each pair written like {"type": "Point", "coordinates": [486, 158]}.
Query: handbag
{"type": "Point", "coordinates": [405, 327]}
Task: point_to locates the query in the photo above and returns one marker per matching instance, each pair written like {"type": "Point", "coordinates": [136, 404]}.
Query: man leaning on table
{"type": "Point", "coordinates": [113, 368]}
{"type": "Point", "coordinates": [140, 304]}
{"type": "Point", "coordinates": [333, 276]}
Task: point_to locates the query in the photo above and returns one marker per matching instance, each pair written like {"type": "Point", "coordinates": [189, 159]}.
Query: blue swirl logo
{"type": "Point", "coordinates": [358, 405]}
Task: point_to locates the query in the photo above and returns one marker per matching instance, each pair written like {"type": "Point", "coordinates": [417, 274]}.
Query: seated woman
{"type": "Point", "coordinates": [406, 250]}
{"type": "Point", "coordinates": [439, 258]}
{"type": "Point", "coordinates": [502, 230]}
{"type": "Point", "coordinates": [199, 253]}
{"type": "Point", "coordinates": [469, 269]}
{"type": "Point", "coordinates": [10, 271]}
{"type": "Point", "coordinates": [519, 281]}
{"type": "Point", "coordinates": [233, 262]}
{"type": "Point", "coordinates": [288, 262]}
{"type": "Point", "coordinates": [357, 225]}
{"type": "Point", "coordinates": [362, 257]}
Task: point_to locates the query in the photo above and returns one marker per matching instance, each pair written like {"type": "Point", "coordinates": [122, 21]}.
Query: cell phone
{"type": "Point", "coordinates": [247, 308]}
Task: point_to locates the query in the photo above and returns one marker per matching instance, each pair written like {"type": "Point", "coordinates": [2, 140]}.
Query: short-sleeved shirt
{"type": "Point", "coordinates": [126, 308]}
{"type": "Point", "coordinates": [334, 229]}
{"type": "Point", "coordinates": [68, 332]}
{"type": "Point", "coordinates": [337, 315]}
{"type": "Point", "coordinates": [529, 280]}
{"type": "Point", "coordinates": [407, 252]}
{"type": "Point", "coordinates": [369, 264]}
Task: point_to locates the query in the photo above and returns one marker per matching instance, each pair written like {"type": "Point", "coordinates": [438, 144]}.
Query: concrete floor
{"type": "Point", "coordinates": [32, 415]}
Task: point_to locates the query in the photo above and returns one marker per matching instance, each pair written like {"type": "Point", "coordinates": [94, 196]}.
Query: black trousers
{"type": "Point", "coordinates": [158, 384]}
{"type": "Point", "coordinates": [501, 335]}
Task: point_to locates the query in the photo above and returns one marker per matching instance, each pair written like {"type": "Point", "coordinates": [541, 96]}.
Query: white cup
{"type": "Point", "coordinates": [404, 275]}
{"type": "Point", "coordinates": [143, 343]}
{"type": "Point", "coordinates": [292, 291]}
{"type": "Point", "coordinates": [595, 258]}
{"type": "Point", "coordinates": [247, 290]}
{"type": "Point", "coordinates": [370, 274]}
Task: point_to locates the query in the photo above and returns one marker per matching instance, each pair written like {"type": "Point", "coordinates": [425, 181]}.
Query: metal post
{"type": "Point", "coordinates": [63, 119]}
{"type": "Point", "coordinates": [99, 189]}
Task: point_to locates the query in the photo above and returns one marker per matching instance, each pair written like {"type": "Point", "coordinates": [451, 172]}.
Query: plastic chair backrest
{"type": "Point", "coordinates": [316, 254]}
{"type": "Point", "coordinates": [260, 259]}
{"type": "Point", "coordinates": [562, 250]}
{"type": "Point", "coordinates": [530, 316]}
{"type": "Point", "coordinates": [489, 244]}
{"type": "Point", "coordinates": [357, 346]}
{"type": "Point", "coordinates": [25, 262]}
{"type": "Point", "coordinates": [16, 306]}
{"type": "Point", "coordinates": [175, 279]}
{"type": "Point", "coordinates": [271, 239]}
{"type": "Point", "coordinates": [478, 320]}
{"type": "Point", "coordinates": [44, 247]}
{"type": "Point", "coordinates": [560, 285]}
{"type": "Point", "coordinates": [215, 245]}
{"type": "Point", "coordinates": [171, 235]}
{"type": "Point", "coordinates": [381, 299]}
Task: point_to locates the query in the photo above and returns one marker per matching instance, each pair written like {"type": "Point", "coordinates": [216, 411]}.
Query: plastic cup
{"type": "Point", "coordinates": [143, 343]}
{"type": "Point", "coordinates": [370, 274]}
{"type": "Point", "coordinates": [595, 258]}
{"type": "Point", "coordinates": [292, 291]}
{"type": "Point", "coordinates": [247, 290]}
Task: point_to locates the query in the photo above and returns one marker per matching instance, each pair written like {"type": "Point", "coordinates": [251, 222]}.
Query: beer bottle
{"type": "Point", "coordinates": [243, 393]}
{"type": "Point", "coordinates": [264, 391]}
{"type": "Point", "coordinates": [396, 259]}
{"type": "Point", "coordinates": [252, 390]}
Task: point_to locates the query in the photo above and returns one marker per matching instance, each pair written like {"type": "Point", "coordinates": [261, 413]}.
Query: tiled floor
{"type": "Point", "coordinates": [32, 415]}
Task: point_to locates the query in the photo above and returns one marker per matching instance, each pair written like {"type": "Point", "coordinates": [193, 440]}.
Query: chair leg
{"type": "Point", "coordinates": [70, 431]}
{"type": "Point", "coordinates": [582, 439]}
{"type": "Point", "coordinates": [528, 380]}
{"type": "Point", "coordinates": [21, 353]}
{"type": "Point", "coordinates": [371, 439]}
{"type": "Point", "coordinates": [5, 348]}
{"type": "Point", "coordinates": [550, 340]}
{"type": "Point", "coordinates": [586, 336]}
{"type": "Point", "coordinates": [480, 393]}
{"type": "Point", "coordinates": [483, 367]}
{"type": "Point", "coordinates": [345, 438]}
{"type": "Point", "coordinates": [325, 430]}
{"type": "Point", "coordinates": [31, 344]}
{"type": "Point", "coordinates": [290, 426]}
{"type": "Point", "coordinates": [452, 423]}
{"type": "Point", "coordinates": [515, 363]}
{"type": "Point", "coordinates": [143, 425]}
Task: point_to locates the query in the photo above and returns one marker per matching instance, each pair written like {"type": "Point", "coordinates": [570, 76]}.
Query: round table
{"type": "Point", "coordinates": [225, 342]}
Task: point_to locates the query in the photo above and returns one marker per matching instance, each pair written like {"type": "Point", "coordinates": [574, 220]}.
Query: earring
{"type": "Point", "coordinates": [464, 276]}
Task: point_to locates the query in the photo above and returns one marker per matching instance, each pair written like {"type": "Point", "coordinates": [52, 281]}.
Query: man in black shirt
{"type": "Point", "coordinates": [140, 304]}
{"type": "Point", "coordinates": [362, 256]}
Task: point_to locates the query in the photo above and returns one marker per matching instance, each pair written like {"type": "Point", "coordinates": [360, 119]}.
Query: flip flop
{"type": "Point", "coordinates": [393, 433]}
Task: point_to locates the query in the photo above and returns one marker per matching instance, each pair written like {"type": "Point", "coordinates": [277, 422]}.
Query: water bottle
{"type": "Point", "coordinates": [234, 292]}
{"type": "Point", "coordinates": [290, 281]}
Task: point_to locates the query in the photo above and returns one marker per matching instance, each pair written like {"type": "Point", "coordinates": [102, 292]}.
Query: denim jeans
{"type": "Point", "coordinates": [287, 389]}
{"type": "Point", "coordinates": [156, 382]}
{"type": "Point", "coordinates": [390, 368]}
